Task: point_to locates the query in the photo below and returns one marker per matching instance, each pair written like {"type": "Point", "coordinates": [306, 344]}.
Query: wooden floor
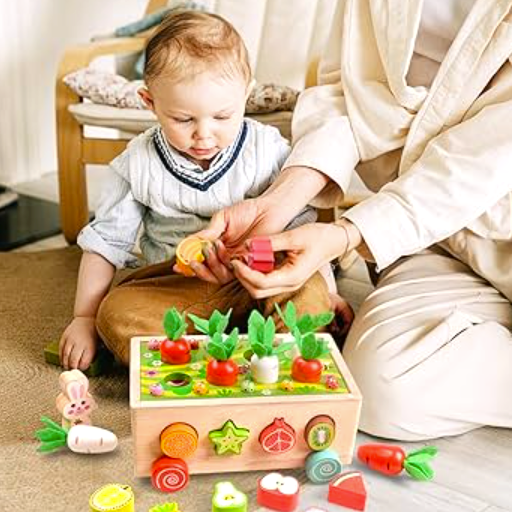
{"type": "Point", "coordinates": [473, 471]}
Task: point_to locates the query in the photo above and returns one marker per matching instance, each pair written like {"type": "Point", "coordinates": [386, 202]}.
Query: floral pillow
{"type": "Point", "coordinates": [115, 90]}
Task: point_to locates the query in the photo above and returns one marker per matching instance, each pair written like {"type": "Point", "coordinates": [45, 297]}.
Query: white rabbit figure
{"type": "Point", "coordinates": [75, 402]}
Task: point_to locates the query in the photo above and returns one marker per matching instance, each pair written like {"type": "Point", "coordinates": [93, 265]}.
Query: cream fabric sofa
{"type": "Point", "coordinates": [285, 39]}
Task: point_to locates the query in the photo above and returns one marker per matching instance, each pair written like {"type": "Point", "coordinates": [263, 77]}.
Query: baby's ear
{"type": "Point", "coordinates": [147, 98]}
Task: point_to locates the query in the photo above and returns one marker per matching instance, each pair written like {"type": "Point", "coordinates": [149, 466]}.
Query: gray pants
{"type": "Point", "coordinates": [431, 350]}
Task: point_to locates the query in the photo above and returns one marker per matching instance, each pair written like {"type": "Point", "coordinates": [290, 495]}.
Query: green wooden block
{"type": "Point", "coordinates": [103, 362]}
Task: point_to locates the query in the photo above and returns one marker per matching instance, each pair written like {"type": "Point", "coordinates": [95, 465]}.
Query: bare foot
{"type": "Point", "coordinates": [78, 344]}
{"type": "Point", "coordinates": [343, 317]}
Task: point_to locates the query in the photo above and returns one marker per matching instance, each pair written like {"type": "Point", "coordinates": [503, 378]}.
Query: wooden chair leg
{"type": "Point", "coordinates": [74, 210]}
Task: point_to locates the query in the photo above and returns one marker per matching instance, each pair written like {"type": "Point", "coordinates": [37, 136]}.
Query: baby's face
{"type": "Point", "coordinates": [200, 116]}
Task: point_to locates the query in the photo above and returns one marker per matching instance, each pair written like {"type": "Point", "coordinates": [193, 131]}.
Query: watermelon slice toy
{"type": "Point", "coordinates": [348, 490]}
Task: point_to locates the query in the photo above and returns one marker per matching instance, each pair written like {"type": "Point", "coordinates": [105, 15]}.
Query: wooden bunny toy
{"type": "Point", "coordinates": [75, 402]}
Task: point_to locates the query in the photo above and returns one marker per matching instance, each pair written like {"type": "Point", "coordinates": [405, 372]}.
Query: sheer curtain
{"type": "Point", "coordinates": [34, 34]}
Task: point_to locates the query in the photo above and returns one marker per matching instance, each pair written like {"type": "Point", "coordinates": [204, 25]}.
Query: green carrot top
{"type": "Point", "coordinates": [174, 324]}
{"type": "Point", "coordinates": [306, 323]}
{"type": "Point", "coordinates": [221, 347]}
{"type": "Point", "coordinates": [217, 323]}
{"type": "Point", "coordinates": [261, 335]}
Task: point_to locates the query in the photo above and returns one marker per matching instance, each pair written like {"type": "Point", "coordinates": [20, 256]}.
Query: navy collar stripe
{"type": "Point", "coordinates": [200, 180]}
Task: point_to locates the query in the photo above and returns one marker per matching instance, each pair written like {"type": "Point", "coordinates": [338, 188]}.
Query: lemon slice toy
{"type": "Point", "coordinates": [188, 250]}
{"type": "Point", "coordinates": [112, 497]}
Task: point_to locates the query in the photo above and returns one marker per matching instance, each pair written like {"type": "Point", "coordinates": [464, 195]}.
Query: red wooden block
{"type": "Point", "coordinates": [261, 256]}
{"type": "Point", "coordinates": [348, 490]}
{"type": "Point", "coordinates": [261, 244]}
{"type": "Point", "coordinates": [278, 492]}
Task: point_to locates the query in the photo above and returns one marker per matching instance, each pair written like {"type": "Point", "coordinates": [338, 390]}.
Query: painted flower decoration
{"type": "Point", "coordinates": [248, 386]}
{"type": "Point", "coordinates": [196, 366]}
{"type": "Point", "coordinates": [331, 382]}
{"type": "Point", "coordinates": [200, 388]}
{"type": "Point", "coordinates": [148, 355]}
{"type": "Point", "coordinates": [266, 392]}
{"type": "Point", "coordinates": [156, 389]}
{"type": "Point", "coordinates": [287, 385]}
{"type": "Point", "coordinates": [166, 507]}
{"type": "Point", "coordinates": [154, 344]}
{"type": "Point", "coordinates": [151, 373]}
{"type": "Point", "coordinates": [156, 363]}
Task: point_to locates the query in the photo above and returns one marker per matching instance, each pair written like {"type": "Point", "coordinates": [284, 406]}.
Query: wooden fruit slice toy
{"type": "Point", "coordinates": [178, 440]}
{"type": "Point", "coordinates": [188, 250]}
{"type": "Point", "coordinates": [278, 492]}
{"type": "Point", "coordinates": [320, 432]}
{"type": "Point", "coordinates": [261, 255]}
{"type": "Point", "coordinates": [227, 498]}
{"type": "Point", "coordinates": [169, 475]}
{"type": "Point", "coordinates": [348, 490]}
{"type": "Point", "coordinates": [112, 497]}
{"type": "Point", "coordinates": [322, 466]}
{"type": "Point", "coordinates": [391, 460]}
{"type": "Point", "coordinates": [278, 437]}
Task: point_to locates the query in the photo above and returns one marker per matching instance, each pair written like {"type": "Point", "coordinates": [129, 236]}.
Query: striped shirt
{"type": "Point", "coordinates": [154, 189]}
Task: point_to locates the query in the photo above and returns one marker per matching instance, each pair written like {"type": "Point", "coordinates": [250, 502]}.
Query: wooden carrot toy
{"type": "Point", "coordinates": [391, 460]}
{"type": "Point", "coordinates": [79, 438]}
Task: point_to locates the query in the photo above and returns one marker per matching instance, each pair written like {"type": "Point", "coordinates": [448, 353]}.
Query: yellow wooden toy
{"type": "Point", "coordinates": [188, 250]}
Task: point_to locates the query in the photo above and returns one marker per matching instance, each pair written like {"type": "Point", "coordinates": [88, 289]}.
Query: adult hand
{"type": "Point", "coordinates": [227, 231]}
{"type": "Point", "coordinates": [307, 249]}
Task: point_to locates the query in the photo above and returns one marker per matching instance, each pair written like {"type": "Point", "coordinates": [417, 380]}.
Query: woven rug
{"type": "Point", "coordinates": [36, 304]}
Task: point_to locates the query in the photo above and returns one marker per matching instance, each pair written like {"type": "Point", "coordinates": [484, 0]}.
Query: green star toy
{"type": "Point", "coordinates": [227, 498]}
{"type": "Point", "coordinates": [229, 438]}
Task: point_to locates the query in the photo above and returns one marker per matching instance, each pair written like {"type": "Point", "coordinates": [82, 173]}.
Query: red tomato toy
{"type": "Point", "coordinates": [222, 373]}
{"type": "Point", "coordinates": [306, 370]}
{"type": "Point", "coordinates": [175, 351]}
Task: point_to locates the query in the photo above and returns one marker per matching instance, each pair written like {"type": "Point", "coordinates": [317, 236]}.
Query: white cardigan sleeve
{"type": "Point", "coordinates": [462, 174]}
{"type": "Point", "coordinates": [321, 131]}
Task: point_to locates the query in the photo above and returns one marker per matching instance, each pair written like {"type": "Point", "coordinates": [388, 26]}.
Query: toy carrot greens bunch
{"type": "Point", "coordinates": [216, 323]}
{"type": "Point", "coordinates": [175, 349]}
{"type": "Point", "coordinates": [222, 370]}
{"type": "Point", "coordinates": [265, 358]}
{"type": "Point", "coordinates": [307, 367]}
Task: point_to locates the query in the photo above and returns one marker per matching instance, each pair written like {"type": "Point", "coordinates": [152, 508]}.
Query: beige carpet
{"type": "Point", "coordinates": [36, 298]}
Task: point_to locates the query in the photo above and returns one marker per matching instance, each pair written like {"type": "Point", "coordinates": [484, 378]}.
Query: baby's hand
{"type": "Point", "coordinates": [78, 344]}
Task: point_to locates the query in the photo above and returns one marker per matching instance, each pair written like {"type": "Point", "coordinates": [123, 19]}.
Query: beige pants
{"type": "Point", "coordinates": [137, 305]}
{"type": "Point", "coordinates": [431, 350]}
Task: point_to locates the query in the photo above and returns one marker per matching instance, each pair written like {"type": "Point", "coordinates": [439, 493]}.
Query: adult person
{"type": "Point", "coordinates": [417, 97]}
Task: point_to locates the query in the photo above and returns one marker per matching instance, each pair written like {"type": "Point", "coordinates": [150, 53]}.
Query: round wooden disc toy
{"type": "Point", "coordinates": [169, 475]}
{"type": "Point", "coordinates": [178, 440]}
{"type": "Point", "coordinates": [320, 432]}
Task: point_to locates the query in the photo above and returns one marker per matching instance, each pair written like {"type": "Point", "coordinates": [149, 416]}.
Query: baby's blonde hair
{"type": "Point", "coordinates": [190, 42]}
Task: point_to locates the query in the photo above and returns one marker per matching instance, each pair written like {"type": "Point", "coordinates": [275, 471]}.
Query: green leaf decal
{"type": "Point", "coordinates": [417, 463]}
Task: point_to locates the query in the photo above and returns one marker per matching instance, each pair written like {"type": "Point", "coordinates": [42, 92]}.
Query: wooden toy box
{"type": "Point", "coordinates": [254, 409]}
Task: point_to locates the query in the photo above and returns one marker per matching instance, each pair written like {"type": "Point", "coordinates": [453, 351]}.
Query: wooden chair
{"type": "Point", "coordinates": [284, 39]}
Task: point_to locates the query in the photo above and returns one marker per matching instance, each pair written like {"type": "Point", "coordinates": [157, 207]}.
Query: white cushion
{"type": "Point", "coordinates": [135, 121]}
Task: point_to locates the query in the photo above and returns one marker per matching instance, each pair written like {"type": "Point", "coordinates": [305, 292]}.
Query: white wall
{"type": "Point", "coordinates": [34, 34]}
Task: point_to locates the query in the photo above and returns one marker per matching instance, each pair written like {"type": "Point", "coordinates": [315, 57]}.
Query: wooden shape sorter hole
{"type": "Point", "coordinates": [179, 383]}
